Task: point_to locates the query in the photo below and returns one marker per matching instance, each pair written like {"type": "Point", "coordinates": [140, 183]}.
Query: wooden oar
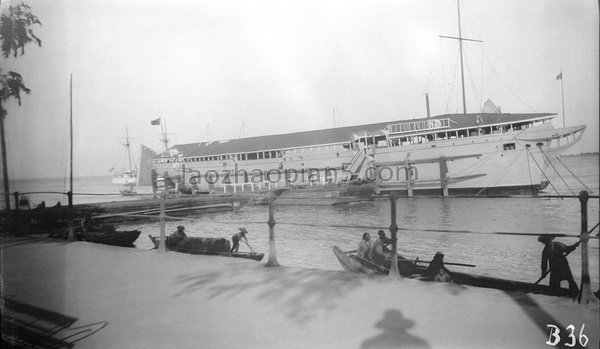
{"type": "Point", "coordinates": [566, 254]}
{"type": "Point", "coordinates": [420, 261]}
{"type": "Point", "coordinates": [445, 263]}
{"type": "Point", "coordinates": [247, 244]}
{"type": "Point", "coordinates": [549, 270]}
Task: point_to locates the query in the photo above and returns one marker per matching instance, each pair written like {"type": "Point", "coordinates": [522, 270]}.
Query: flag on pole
{"type": "Point", "coordinates": [155, 122]}
{"type": "Point", "coordinates": [559, 76]}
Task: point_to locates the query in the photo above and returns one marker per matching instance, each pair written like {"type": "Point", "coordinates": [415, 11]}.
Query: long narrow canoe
{"type": "Point", "coordinates": [407, 268]}
{"type": "Point", "coordinates": [205, 246]}
{"type": "Point", "coordinates": [124, 238]}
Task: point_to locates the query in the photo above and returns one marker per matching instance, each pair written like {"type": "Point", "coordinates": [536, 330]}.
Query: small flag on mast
{"type": "Point", "coordinates": [155, 122]}
{"type": "Point", "coordinates": [559, 76]}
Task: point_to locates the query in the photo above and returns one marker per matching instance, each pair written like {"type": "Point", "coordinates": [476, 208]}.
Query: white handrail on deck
{"type": "Point", "coordinates": [252, 185]}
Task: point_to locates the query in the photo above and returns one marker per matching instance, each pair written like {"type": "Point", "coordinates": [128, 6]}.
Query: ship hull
{"type": "Point", "coordinates": [497, 163]}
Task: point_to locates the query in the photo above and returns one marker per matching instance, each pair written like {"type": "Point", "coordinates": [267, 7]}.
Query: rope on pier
{"type": "Point", "coordinates": [555, 170]}
{"type": "Point", "coordinates": [542, 171]}
{"type": "Point", "coordinates": [571, 172]}
{"type": "Point", "coordinates": [375, 227]}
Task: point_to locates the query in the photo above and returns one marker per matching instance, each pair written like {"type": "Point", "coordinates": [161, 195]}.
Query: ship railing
{"type": "Point", "coordinates": [252, 186]}
{"type": "Point", "coordinates": [357, 161]}
{"type": "Point", "coordinates": [414, 126]}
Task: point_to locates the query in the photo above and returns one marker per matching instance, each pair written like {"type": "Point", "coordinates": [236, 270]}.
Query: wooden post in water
{"type": "Point", "coordinates": [17, 214]}
{"type": "Point", "coordinates": [409, 181]}
{"type": "Point", "coordinates": [394, 272]}
{"type": "Point", "coordinates": [16, 195]}
{"type": "Point", "coordinates": [272, 261]}
{"type": "Point", "coordinates": [444, 175]}
{"type": "Point", "coordinates": [585, 290]}
{"type": "Point", "coordinates": [162, 246]}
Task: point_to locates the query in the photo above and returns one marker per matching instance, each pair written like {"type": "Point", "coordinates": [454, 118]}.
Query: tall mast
{"type": "Point", "coordinates": [70, 235]}
{"type": "Point", "coordinates": [462, 70]}
{"type": "Point", "coordinates": [71, 136]}
{"type": "Point", "coordinates": [127, 145]}
{"type": "Point", "coordinates": [460, 48]}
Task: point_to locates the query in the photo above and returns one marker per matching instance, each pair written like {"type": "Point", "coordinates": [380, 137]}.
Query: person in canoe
{"type": "Point", "coordinates": [236, 240]}
{"type": "Point", "coordinates": [178, 236]}
{"type": "Point", "coordinates": [437, 271]}
{"type": "Point", "coordinates": [378, 247]}
{"type": "Point", "coordinates": [385, 240]}
{"type": "Point", "coordinates": [554, 255]}
{"type": "Point", "coordinates": [364, 246]}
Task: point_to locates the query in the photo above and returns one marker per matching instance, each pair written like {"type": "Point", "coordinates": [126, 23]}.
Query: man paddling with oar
{"type": "Point", "coordinates": [236, 238]}
{"type": "Point", "coordinates": [555, 253]}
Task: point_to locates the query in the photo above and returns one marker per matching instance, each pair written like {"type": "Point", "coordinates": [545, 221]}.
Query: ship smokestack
{"type": "Point", "coordinates": [427, 104]}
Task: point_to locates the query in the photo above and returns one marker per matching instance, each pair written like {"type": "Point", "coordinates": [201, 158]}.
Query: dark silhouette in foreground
{"type": "Point", "coordinates": [394, 335]}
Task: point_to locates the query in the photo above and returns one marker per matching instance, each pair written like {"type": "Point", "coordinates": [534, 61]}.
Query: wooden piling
{"type": "Point", "coordinates": [162, 246]}
{"type": "Point", "coordinates": [409, 180]}
{"type": "Point", "coordinates": [16, 195]}
{"type": "Point", "coordinates": [70, 231]}
{"type": "Point", "coordinates": [272, 261]}
{"type": "Point", "coordinates": [585, 290]}
{"type": "Point", "coordinates": [444, 176]}
{"type": "Point", "coordinates": [17, 214]}
{"type": "Point", "coordinates": [394, 272]}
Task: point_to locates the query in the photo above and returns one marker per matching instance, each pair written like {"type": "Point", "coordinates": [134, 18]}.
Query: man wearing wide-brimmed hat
{"type": "Point", "coordinates": [177, 236]}
{"type": "Point", "coordinates": [554, 254]}
{"type": "Point", "coordinates": [236, 239]}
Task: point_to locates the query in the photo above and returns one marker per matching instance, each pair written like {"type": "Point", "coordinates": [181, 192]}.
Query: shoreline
{"type": "Point", "coordinates": [146, 299]}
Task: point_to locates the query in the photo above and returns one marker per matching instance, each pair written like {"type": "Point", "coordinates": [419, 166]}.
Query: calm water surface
{"type": "Point", "coordinates": [305, 234]}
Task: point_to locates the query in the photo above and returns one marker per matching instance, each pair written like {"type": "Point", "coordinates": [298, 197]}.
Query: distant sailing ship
{"type": "Point", "coordinates": [483, 153]}
{"type": "Point", "coordinates": [128, 177]}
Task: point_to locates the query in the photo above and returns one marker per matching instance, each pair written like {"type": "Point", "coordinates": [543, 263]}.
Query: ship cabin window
{"type": "Point", "coordinates": [251, 156]}
{"type": "Point", "coordinates": [520, 126]}
{"type": "Point", "coordinates": [346, 146]}
{"type": "Point", "coordinates": [509, 146]}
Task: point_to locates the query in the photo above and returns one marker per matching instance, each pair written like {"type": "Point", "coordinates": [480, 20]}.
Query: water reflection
{"type": "Point", "coordinates": [306, 234]}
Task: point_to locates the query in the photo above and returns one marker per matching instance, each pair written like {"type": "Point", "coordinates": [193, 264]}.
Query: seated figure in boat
{"type": "Point", "coordinates": [364, 246]}
{"type": "Point", "coordinates": [437, 271]}
{"type": "Point", "coordinates": [385, 240]}
{"type": "Point", "coordinates": [378, 248]}
{"type": "Point", "coordinates": [554, 255]}
{"type": "Point", "coordinates": [177, 236]}
{"type": "Point", "coordinates": [236, 240]}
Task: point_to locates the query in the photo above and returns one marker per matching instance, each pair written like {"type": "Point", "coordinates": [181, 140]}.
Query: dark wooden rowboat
{"type": "Point", "coordinates": [124, 238]}
{"type": "Point", "coordinates": [205, 246]}
{"type": "Point", "coordinates": [408, 268]}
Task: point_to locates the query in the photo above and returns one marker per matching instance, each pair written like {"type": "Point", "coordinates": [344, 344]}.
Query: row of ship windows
{"type": "Point", "coordinates": [253, 155]}
{"type": "Point", "coordinates": [457, 134]}
{"type": "Point", "coordinates": [391, 142]}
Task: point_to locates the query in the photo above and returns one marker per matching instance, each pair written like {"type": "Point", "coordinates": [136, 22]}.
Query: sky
{"type": "Point", "coordinates": [226, 69]}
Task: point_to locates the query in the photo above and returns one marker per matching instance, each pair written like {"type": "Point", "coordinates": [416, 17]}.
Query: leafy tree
{"type": "Point", "coordinates": [15, 33]}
